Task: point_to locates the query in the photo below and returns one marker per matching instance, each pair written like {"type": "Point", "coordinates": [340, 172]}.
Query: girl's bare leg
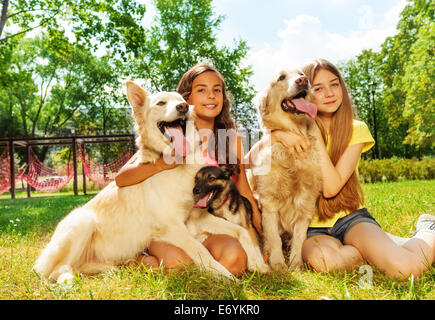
{"type": "Point", "coordinates": [225, 249]}
{"type": "Point", "coordinates": [325, 254]}
{"type": "Point", "coordinates": [228, 251]}
{"type": "Point", "coordinates": [413, 257]}
{"type": "Point", "coordinates": [366, 241]}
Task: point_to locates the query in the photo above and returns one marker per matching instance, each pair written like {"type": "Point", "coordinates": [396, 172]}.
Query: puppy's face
{"type": "Point", "coordinates": [286, 98]}
{"type": "Point", "coordinates": [160, 119]}
{"type": "Point", "coordinates": [212, 185]}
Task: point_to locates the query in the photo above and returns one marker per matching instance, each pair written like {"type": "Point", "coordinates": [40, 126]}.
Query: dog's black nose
{"type": "Point", "coordinates": [196, 190]}
{"type": "Point", "coordinates": [182, 108]}
{"type": "Point", "coordinates": [302, 81]}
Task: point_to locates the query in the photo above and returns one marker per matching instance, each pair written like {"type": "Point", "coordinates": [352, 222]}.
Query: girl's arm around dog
{"type": "Point", "coordinates": [134, 172]}
{"type": "Point", "coordinates": [335, 176]}
{"type": "Point", "coordinates": [245, 190]}
{"type": "Point", "coordinates": [296, 144]}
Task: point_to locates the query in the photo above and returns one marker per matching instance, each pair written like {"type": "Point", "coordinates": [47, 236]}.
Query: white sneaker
{"type": "Point", "coordinates": [397, 240]}
{"type": "Point", "coordinates": [426, 222]}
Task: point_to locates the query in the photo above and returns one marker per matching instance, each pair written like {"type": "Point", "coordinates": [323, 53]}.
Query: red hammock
{"type": "Point", "coordinates": [46, 179]}
{"type": "Point", "coordinates": [5, 171]}
{"type": "Point", "coordinates": [102, 174]}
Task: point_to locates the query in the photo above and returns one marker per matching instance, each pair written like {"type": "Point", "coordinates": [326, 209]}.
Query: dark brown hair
{"type": "Point", "coordinates": [351, 196]}
{"type": "Point", "coordinates": [222, 121]}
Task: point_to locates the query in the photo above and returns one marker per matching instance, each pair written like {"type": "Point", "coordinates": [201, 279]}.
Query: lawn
{"type": "Point", "coordinates": [27, 224]}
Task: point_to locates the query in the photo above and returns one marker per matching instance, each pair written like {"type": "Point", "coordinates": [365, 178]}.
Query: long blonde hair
{"type": "Point", "coordinates": [351, 196]}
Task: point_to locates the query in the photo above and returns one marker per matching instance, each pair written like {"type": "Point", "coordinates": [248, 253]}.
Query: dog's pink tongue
{"type": "Point", "coordinates": [305, 106]}
{"type": "Point", "coordinates": [202, 203]}
{"type": "Point", "coordinates": [181, 145]}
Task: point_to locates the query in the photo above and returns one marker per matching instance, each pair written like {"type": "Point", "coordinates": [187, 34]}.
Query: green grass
{"type": "Point", "coordinates": [26, 226]}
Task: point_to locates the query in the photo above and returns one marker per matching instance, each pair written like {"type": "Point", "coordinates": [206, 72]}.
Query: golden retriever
{"type": "Point", "coordinates": [288, 190]}
{"type": "Point", "coordinates": [119, 223]}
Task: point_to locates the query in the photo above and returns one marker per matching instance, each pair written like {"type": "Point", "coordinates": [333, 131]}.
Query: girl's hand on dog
{"type": "Point", "coordinates": [256, 220]}
{"type": "Point", "coordinates": [163, 165]}
{"type": "Point", "coordinates": [296, 144]}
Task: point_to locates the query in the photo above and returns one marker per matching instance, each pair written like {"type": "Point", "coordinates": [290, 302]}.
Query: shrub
{"type": "Point", "coordinates": [395, 169]}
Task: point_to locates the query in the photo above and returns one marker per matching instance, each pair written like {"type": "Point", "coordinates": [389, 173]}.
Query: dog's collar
{"type": "Point", "coordinates": [225, 201]}
{"type": "Point", "coordinates": [228, 197]}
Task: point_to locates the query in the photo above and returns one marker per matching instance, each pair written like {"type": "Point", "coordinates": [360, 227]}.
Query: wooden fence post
{"type": "Point", "coordinates": [83, 167]}
{"type": "Point", "coordinates": [74, 151]}
{"type": "Point", "coordinates": [12, 167]}
{"type": "Point", "coordinates": [28, 166]}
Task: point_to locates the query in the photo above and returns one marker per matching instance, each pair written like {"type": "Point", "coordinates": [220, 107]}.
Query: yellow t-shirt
{"type": "Point", "coordinates": [360, 134]}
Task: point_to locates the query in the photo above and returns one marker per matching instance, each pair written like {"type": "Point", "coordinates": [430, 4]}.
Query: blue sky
{"type": "Point", "coordinates": [288, 33]}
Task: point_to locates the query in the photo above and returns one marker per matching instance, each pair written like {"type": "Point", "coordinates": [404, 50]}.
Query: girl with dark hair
{"type": "Point", "coordinates": [203, 87]}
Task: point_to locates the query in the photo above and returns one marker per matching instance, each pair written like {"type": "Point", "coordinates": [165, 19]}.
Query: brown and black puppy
{"type": "Point", "coordinates": [215, 191]}
{"type": "Point", "coordinates": [220, 209]}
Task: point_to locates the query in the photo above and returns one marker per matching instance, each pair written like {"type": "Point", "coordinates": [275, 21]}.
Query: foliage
{"type": "Point", "coordinates": [404, 75]}
{"type": "Point", "coordinates": [419, 87]}
{"type": "Point", "coordinates": [48, 94]}
{"type": "Point", "coordinates": [92, 22]}
{"type": "Point", "coordinates": [60, 81]}
{"type": "Point", "coordinates": [408, 73]}
{"type": "Point", "coordinates": [395, 169]}
{"type": "Point", "coordinates": [361, 74]}
{"type": "Point", "coordinates": [183, 34]}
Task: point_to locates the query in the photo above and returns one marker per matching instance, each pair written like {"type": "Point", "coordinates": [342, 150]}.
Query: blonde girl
{"type": "Point", "coordinates": [342, 233]}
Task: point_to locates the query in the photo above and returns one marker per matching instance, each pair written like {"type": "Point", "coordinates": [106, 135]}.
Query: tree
{"type": "Point", "coordinates": [360, 73]}
{"type": "Point", "coordinates": [419, 87]}
{"type": "Point", "coordinates": [47, 93]}
{"type": "Point", "coordinates": [183, 34]}
{"type": "Point", "coordinates": [107, 21]}
{"type": "Point", "coordinates": [404, 75]}
{"type": "Point", "coordinates": [65, 87]}
{"type": "Point", "coordinates": [408, 74]}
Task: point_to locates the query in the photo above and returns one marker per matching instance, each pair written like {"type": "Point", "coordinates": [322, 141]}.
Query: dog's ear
{"type": "Point", "coordinates": [136, 95]}
{"type": "Point", "coordinates": [262, 101]}
{"type": "Point", "coordinates": [227, 173]}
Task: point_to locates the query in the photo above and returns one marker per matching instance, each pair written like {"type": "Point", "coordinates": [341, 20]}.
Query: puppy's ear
{"type": "Point", "coordinates": [136, 96]}
{"type": "Point", "coordinates": [228, 173]}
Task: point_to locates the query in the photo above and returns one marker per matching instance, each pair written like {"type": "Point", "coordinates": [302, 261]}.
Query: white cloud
{"type": "Point", "coordinates": [304, 38]}
{"type": "Point", "coordinates": [392, 16]}
{"type": "Point", "coordinates": [366, 19]}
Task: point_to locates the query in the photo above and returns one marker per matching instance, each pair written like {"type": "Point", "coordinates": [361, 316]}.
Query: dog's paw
{"type": "Point", "coordinates": [277, 261]}
{"type": "Point", "coordinates": [296, 264]}
{"type": "Point", "coordinates": [263, 268]}
{"type": "Point", "coordinates": [279, 266]}
{"type": "Point", "coordinates": [66, 280]}
{"type": "Point", "coordinates": [259, 267]}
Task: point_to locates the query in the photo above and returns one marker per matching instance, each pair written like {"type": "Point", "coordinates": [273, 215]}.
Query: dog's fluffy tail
{"type": "Point", "coordinates": [69, 244]}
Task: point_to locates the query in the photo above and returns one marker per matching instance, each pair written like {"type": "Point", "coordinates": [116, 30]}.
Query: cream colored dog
{"type": "Point", "coordinates": [119, 223]}
{"type": "Point", "coordinates": [288, 190]}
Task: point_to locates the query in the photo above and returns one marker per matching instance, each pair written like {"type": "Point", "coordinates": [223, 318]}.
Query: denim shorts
{"type": "Point", "coordinates": [343, 225]}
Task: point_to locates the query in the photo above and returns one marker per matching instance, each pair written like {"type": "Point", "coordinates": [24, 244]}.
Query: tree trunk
{"type": "Point", "coordinates": [4, 17]}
